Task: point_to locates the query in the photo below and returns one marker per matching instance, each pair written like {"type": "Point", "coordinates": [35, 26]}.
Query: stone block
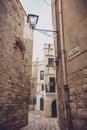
{"type": "Point", "coordinates": [74, 124]}
{"type": "Point", "coordinates": [85, 72]}
{"type": "Point", "coordinates": [81, 124]}
{"type": "Point", "coordinates": [82, 114]}
{"type": "Point", "coordinates": [82, 104]}
{"type": "Point", "coordinates": [74, 113]}
{"type": "Point", "coordinates": [47, 108]}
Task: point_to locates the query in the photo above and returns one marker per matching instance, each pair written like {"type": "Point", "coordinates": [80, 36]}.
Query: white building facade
{"type": "Point", "coordinates": [40, 87]}
{"type": "Point", "coordinates": [46, 90]}
{"type": "Point", "coordinates": [49, 82]}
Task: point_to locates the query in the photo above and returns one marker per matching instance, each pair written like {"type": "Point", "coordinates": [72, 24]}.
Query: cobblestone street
{"type": "Point", "coordinates": [37, 122]}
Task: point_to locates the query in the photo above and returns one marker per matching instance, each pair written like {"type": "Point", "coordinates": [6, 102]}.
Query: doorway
{"type": "Point", "coordinates": [41, 104]}
{"type": "Point", "coordinates": [54, 109]}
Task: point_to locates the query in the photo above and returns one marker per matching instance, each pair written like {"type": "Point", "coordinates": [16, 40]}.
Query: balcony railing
{"type": "Point", "coordinates": [50, 89]}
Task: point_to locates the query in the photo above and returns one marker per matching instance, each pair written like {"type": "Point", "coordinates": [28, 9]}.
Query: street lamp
{"type": "Point", "coordinates": [32, 19]}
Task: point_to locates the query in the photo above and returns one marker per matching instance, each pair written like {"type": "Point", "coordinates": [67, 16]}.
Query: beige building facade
{"type": "Point", "coordinates": [72, 112]}
{"type": "Point", "coordinates": [33, 88]}
{"type": "Point", "coordinates": [40, 87]}
{"type": "Point", "coordinates": [34, 78]}
{"type": "Point", "coordinates": [49, 82]}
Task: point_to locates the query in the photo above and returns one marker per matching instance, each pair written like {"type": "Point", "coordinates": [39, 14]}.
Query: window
{"type": "Point", "coordinates": [41, 75]}
{"type": "Point", "coordinates": [42, 87]}
{"type": "Point", "coordinates": [41, 104]}
{"type": "Point", "coordinates": [52, 84]}
{"type": "Point", "coordinates": [46, 89]}
{"type": "Point", "coordinates": [49, 46]}
{"type": "Point", "coordinates": [50, 61]}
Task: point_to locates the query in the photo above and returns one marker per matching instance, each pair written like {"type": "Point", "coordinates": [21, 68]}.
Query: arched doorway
{"type": "Point", "coordinates": [54, 109]}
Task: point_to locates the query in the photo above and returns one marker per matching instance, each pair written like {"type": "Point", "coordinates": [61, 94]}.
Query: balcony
{"type": "Point", "coordinates": [50, 89]}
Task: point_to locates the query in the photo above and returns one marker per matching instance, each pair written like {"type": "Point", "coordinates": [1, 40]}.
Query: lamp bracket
{"type": "Point", "coordinates": [49, 33]}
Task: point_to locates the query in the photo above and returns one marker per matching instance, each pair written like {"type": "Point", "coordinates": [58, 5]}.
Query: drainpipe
{"type": "Point", "coordinates": [62, 48]}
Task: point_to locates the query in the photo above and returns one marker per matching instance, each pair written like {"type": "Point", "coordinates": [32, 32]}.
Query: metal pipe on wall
{"type": "Point", "coordinates": [62, 47]}
{"type": "Point", "coordinates": [62, 42]}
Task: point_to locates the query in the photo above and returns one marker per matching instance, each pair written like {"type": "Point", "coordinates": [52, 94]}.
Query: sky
{"type": "Point", "coordinates": [43, 9]}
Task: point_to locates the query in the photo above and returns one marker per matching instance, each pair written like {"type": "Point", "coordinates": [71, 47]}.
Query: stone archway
{"type": "Point", "coordinates": [19, 50]}
{"type": "Point", "coordinates": [54, 109]}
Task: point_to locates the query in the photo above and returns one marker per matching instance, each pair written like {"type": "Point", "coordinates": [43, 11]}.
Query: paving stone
{"type": "Point", "coordinates": [36, 122]}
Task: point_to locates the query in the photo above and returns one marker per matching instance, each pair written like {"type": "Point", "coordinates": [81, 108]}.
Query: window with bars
{"type": "Point", "coordinates": [52, 84]}
{"type": "Point", "coordinates": [51, 62]}
{"type": "Point", "coordinates": [41, 75]}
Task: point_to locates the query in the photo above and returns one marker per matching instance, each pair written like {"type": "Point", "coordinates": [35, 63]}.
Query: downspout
{"type": "Point", "coordinates": [62, 47]}
{"type": "Point", "coordinates": [57, 55]}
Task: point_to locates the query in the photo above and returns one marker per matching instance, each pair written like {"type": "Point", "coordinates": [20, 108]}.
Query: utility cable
{"type": "Point", "coordinates": [47, 3]}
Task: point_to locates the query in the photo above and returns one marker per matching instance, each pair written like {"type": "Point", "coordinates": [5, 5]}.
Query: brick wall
{"type": "Point", "coordinates": [15, 63]}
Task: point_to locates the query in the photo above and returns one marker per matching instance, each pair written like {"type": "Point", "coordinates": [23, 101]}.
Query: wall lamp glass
{"type": "Point", "coordinates": [32, 19]}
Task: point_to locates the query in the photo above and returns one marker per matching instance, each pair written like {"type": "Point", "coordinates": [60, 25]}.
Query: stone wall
{"type": "Point", "coordinates": [75, 39]}
{"type": "Point", "coordinates": [34, 78]}
{"type": "Point", "coordinates": [47, 108]}
{"type": "Point", "coordinates": [75, 32]}
{"type": "Point", "coordinates": [33, 86]}
{"type": "Point", "coordinates": [15, 63]}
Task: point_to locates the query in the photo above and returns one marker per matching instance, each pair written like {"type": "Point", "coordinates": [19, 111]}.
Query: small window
{"type": "Point", "coordinates": [52, 84]}
{"type": "Point", "coordinates": [50, 61]}
{"type": "Point", "coordinates": [49, 46]}
{"type": "Point", "coordinates": [41, 75]}
{"type": "Point", "coordinates": [42, 87]}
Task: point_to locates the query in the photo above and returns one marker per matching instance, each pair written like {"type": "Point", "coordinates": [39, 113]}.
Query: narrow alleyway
{"type": "Point", "coordinates": [37, 122]}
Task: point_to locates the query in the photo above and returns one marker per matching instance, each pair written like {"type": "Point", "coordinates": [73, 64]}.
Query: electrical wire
{"type": "Point", "coordinates": [47, 3]}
